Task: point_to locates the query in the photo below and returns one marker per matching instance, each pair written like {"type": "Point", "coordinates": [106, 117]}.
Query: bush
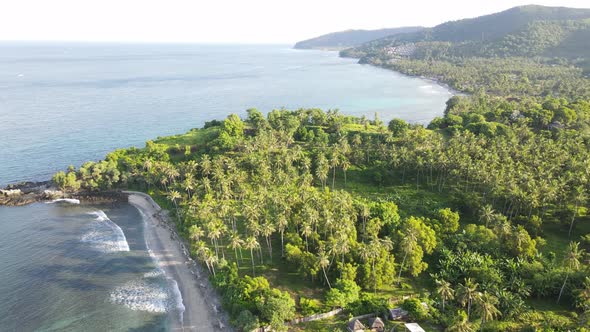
{"type": "Point", "coordinates": [247, 321]}
{"type": "Point", "coordinates": [416, 311]}
{"type": "Point", "coordinates": [369, 304]}
{"type": "Point", "coordinates": [308, 306]}
{"type": "Point", "coordinates": [344, 292]}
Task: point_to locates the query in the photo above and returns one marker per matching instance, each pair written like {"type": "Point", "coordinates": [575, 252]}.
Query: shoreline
{"type": "Point", "coordinates": [203, 311]}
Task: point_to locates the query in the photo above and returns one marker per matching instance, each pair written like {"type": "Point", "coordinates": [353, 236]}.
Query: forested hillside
{"type": "Point", "coordinates": [524, 51]}
{"type": "Point", "coordinates": [350, 38]}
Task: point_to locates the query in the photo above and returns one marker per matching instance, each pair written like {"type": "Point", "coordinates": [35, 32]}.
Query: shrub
{"type": "Point", "coordinates": [416, 311]}
{"type": "Point", "coordinates": [308, 306]}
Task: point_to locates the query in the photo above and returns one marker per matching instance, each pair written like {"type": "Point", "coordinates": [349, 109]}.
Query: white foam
{"type": "Point", "coordinates": [176, 302]}
{"type": "Point", "coordinates": [141, 295]}
{"type": "Point", "coordinates": [65, 200]}
{"type": "Point", "coordinates": [105, 235]}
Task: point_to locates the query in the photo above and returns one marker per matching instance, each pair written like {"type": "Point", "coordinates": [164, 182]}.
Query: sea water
{"type": "Point", "coordinates": [63, 104]}
{"type": "Point", "coordinates": [80, 268]}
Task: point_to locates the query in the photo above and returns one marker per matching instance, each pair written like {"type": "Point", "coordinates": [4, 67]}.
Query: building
{"type": "Point", "coordinates": [397, 314]}
{"type": "Point", "coordinates": [356, 326]}
{"type": "Point", "coordinates": [413, 327]}
{"type": "Point", "coordinates": [376, 324]}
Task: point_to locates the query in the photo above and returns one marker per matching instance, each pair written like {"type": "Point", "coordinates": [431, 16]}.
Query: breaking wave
{"type": "Point", "coordinates": [65, 200]}
{"type": "Point", "coordinates": [105, 235]}
{"type": "Point", "coordinates": [142, 295]}
{"type": "Point", "coordinates": [154, 292]}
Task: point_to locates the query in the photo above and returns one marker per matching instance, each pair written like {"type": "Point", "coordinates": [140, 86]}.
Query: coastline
{"type": "Point", "coordinates": [202, 306]}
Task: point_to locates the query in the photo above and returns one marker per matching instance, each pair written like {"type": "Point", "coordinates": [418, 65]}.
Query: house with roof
{"type": "Point", "coordinates": [355, 325]}
{"type": "Point", "coordinates": [376, 324]}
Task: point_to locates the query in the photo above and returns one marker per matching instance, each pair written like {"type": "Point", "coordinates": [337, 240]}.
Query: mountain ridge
{"type": "Point", "coordinates": [350, 38]}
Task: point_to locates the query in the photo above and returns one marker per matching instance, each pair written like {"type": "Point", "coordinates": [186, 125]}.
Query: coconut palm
{"type": "Point", "coordinates": [266, 230]}
{"type": "Point", "coordinates": [282, 223]}
{"type": "Point", "coordinates": [345, 166]}
{"type": "Point", "coordinates": [444, 291]}
{"type": "Point", "coordinates": [306, 230]}
{"type": "Point", "coordinates": [251, 243]}
{"type": "Point", "coordinates": [461, 323]}
{"type": "Point", "coordinates": [409, 244]}
{"type": "Point", "coordinates": [323, 261]}
{"type": "Point", "coordinates": [215, 230]}
{"type": "Point", "coordinates": [468, 293]}
{"type": "Point", "coordinates": [572, 262]}
{"type": "Point", "coordinates": [174, 196]}
{"type": "Point", "coordinates": [235, 242]}
{"type": "Point", "coordinates": [486, 214]}
{"type": "Point", "coordinates": [195, 232]}
{"type": "Point", "coordinates": [486, 304]}
{"type": "Point", "coordinates": [579, 199]}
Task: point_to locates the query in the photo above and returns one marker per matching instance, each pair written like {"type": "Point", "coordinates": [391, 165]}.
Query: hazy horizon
{"type": "Point", "coordinates": [255, 22]}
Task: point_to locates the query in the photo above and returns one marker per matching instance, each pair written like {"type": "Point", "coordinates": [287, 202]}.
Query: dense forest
{"type": "Point", "coordinates": [482, 216]}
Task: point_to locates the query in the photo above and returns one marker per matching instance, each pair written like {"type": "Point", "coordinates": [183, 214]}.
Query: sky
{"type": "Point", "coordinates": [224, 21]}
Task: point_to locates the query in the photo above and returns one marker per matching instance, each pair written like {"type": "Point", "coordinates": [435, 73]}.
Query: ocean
{"type": "Point", "coordinates": [70, 267]}
{"type": "Point", "coordinates": [63, 104]}
{"type": "Point", "coordinates": [86, 267]}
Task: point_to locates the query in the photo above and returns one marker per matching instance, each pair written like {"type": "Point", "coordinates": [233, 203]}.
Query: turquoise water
{"type": "Point", "coordinates": [63, 104]}
{"type": "Point", "coordinates": [72, 267]}
{"type": "Point", "coordinates": [87, 268]}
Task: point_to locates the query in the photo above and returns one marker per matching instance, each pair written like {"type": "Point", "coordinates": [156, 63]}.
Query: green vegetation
{"type": "Point", "coordinates": [531, 51]}
{"type": "Point", "coordinates": [482, 215]}
{"type": "Point", "coordinates": [478, 221]}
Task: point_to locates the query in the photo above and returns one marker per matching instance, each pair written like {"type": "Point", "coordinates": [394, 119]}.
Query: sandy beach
{"type": "Point", "coordinates": [202, 307]}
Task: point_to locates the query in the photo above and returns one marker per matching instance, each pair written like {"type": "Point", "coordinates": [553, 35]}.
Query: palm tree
{"type": "Point", "coordinates": [267, 229]}
{"type": "Point", "coordinates": [468, 293]}
{"type": "Point", "coordinates": [572, 263]}
{"type": "Point", "coordinates": [322, 169]}
{"type": "Point", "coordinates": [345, 166]}
{"type": "Point", "coordinates": [324, 262]}
{"type": "Point", "coordinates": [461, 323]}
{"type": "Point", "coordinates": [188, 186]}
{"type": "Point", "coordinates": [282, 224]}
{"type": "Point", "coordinates": [235, 242]}
{"type": "Point", "coordinates": [444, 291]}
{"type": "Point", "coordinates": [306, 230]}
{"type": "Point", "coordinates": [211, 260]}
{"type": "Point", "coordinates": [486, 214]}
{"type": "Point", "coordinates": [215, 229]}
{"type": "Point", "coordinates": [487, 307]}
{"type": "Point", "coordinates": [579, 198]}
{"type": "Point", "coordinates": [409, 245]}
{"type": "Point", "coordinates": [251, 243]}
{"type": "Point", "coordinates": [334, 162]}
{"type": "Point", "coordinates": [173, 196]}
{"type": "Point", "coordinates": [195, 232]}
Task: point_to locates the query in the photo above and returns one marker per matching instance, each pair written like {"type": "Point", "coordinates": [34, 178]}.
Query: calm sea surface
{"type": "Point", "coordinates": [64, 104]}
{"type": "Point", "coordinates": [84, 267]}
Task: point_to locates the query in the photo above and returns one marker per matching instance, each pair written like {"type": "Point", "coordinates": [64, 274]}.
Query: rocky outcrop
{"type": "Point", "coordinates": [31, 192]}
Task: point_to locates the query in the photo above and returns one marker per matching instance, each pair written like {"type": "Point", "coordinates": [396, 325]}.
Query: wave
{"type": "Point", "coordinates": [175, 302]}
{"type": "Point", "coordinates": [65, 200]}
{"type": "Point", "coordinates": [105, 235]}
{"type": "Point", "coordinates": [142, 295]}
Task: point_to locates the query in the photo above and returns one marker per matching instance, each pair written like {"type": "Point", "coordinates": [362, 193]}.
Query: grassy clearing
{"type": "Point", "coordinates": [194, 137]}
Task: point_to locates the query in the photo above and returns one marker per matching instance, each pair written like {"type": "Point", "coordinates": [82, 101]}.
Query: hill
{"type": "Point", "coordinates": [500, 53]}
{"type": "Point", "coordinates": [350, 38]}
{"type": "Point", "coordinates": [484, 28]}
